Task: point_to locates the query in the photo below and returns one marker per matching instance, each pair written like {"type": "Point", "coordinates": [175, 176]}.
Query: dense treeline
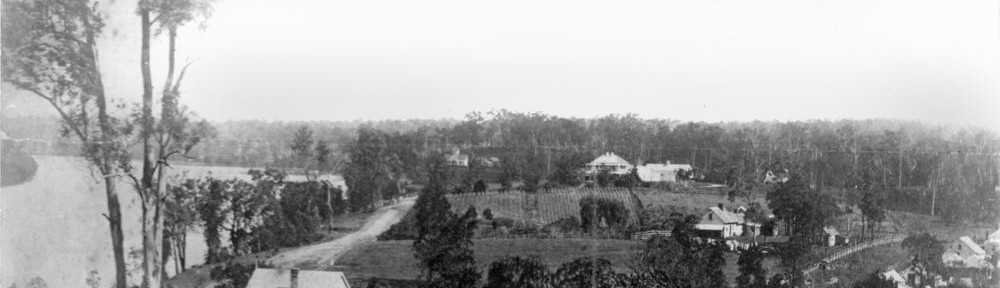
{"type": "Point", "coordinates": [908, 165]}
{"type": "Point", "coordinates": [902, 164]}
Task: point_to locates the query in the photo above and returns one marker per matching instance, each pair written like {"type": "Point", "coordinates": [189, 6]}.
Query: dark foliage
{"type": "Point", "coordinates": [596, 212]}
{"type": "Point", "coordinates": [752, 272]}
{"type": "Point", "coordinates": [517, 272]}
{"type": "Point", "coordinates": [232, 275]}
{"type": "Point", "coordinates": [874, 280]}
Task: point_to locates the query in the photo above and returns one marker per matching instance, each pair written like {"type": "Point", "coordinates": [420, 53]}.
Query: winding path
{"type": "Point", "coordinates": [325, 254]}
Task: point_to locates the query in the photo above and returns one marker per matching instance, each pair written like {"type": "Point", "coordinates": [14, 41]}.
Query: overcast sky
{"type": "Point", "coordinates": [721, 60]}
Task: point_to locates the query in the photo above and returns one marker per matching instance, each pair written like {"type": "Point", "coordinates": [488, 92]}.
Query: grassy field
{"type": "Point", "coordinates": [542, 207]}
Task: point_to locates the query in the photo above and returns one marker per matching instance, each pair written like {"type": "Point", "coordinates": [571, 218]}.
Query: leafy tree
{"type": "Point", "coordinates": [210, 210]}
{"type": "Point", "coordinates": [752, 272]}
{"type": "Point", "coordinates": [517, 272]}
{"type": "Point", "coordinates": [926, 251]}
{"type": "Point", "coordinates": [595, 210]}
{"type": "Point", "coordinates": [302, 144]}
{"type": "Point", "coordinates": [794, 257]}
{"type": "Point", "coordinates": [181, 215]}
{"type": "Point", "coordinates": [367, 171]}
{"type": "Point", "coordinates": [700, 264]}
{"type": "Point", "coordinates": [875, 280]}
{"type": "Point", "coordinates": [443, 243]}
{"type": "Point", "coordinates": [50, 50]}
{"type": "Point", "coordinates": [173, 133]}
{"type": "Point", "coordinates": [805, 210]}
{"type": "Point", "coordinates": [479, 187]}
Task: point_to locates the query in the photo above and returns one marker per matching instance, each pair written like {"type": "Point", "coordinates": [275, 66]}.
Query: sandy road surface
{"type": "Point", "coordinates": [324, 254]}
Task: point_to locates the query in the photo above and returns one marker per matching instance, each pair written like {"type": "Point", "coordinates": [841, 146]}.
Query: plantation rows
{"type": "Point", "coordinates": [541, 207]}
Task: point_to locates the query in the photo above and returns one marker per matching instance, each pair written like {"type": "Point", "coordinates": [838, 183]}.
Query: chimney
{"type": "Point", "coordinates": [721, 207]}
{"type": "Point", "coordinates": [295, 278]}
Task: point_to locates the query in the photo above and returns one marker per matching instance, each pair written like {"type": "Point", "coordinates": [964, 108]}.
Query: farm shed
{"type": "Point", "coordinates": [654, 172]}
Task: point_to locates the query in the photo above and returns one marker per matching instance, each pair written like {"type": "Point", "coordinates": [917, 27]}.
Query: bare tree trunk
{"type": "Point", "coordinates": [152, 228]}
{"type": "Point", "coordinates": [115, 222]}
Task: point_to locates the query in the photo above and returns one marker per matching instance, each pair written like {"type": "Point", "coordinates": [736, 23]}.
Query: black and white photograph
{"type": "Point", "coordinates": [500, 144]}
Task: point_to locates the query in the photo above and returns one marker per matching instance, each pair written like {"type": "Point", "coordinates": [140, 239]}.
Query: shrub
{"type": "Point", "coordinates": [488, 214]}
{"type": "Point", "coordinates": [595, 211]}
{"type": "Point", "coordinates": [503, 222]}
{"type": "Point", "coordinates": [567, 224]}
{"type": "Point", "coordinates": [516, 272]}
{"type": "Point", "coordinates": [231, 275]}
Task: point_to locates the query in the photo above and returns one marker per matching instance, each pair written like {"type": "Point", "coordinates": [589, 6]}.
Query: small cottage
{"type": "Point", "coordinates": [456, 158]}
{"type": "Point", "coordinates": [654, 172]}
{"type": "Point", "coordinates": [963, 252]}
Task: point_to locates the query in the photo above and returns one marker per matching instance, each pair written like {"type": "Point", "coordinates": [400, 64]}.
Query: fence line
{"type": "Point", "coordinates": [853, 249]}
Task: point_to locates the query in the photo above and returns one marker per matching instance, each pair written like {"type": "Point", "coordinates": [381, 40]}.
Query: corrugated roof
{"type": "Point", "coordinates": [830, 230]}
{"type": "Point", "coordinates": [971, 244]}
{"type": "Point", "coordinates": [609, 159]}
{"type": "Point", "coordinates": [282, 278]}
{"type": "Point", "coordinates": [726, 216]}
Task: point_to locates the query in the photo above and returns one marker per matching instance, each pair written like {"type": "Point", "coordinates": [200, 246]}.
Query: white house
{"type": "Point", "coordinates": [725, 224]}
{"type": "Point", "coordinates": [295, 278]}
{"type": "Point", "coordinates": [610, 162]}
{"type": "Point", "coordinates": [895, 277]}
{"type": "Point", "coordinates": [655, 172]}
{"type": "Point", "coordinates": [964, 252]}
{"type": "Point", "coordinates": [457, 159]}
{"type": "Point", "coordinates": [992, 244]}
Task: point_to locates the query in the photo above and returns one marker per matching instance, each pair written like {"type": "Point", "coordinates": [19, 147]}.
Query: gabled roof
{"type": "Point", "coordinates": [965, 240]}
{"type": "Point", "coordinates": [609, 159]}
{"type": "Point", "coordinates": [831, 231]}
{"type": "Point", "coordinates": [894, 276]}
{"type": "Point", "coordinates": [273, 278]}
{"type": "Point", "coordinates": [457, 157]}
{"type": "Point", "coordinates": [994, 236]}
{"type": "Point", "coordinates": [726, 216]}
{"type": "Point", "coordinates": [665, 167]}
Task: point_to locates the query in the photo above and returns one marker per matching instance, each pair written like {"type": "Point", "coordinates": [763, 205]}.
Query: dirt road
{"type": "Point", "coordinates": [325, 254]}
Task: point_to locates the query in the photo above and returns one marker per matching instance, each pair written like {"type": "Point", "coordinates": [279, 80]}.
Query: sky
{"type": "Point", "coordinates": [723, 60]}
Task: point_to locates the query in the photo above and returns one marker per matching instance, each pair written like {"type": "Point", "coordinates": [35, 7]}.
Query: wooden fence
{"type": "Point", "coordinates": [893, 239]}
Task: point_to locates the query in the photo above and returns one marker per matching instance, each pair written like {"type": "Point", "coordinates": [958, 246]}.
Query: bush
{"type": "Point", "coordinates": [516, 272]}
{"type": "Point", "coordinates": [596, 211]}
{"type": "Point", "coordinates": [566, 224]}
{"type": "Point", "coordinates": [503, 222]}
{"type": "Point", "coordinates": [232, 275]}
{"type": "Point", "coordinates": [488, 214]}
